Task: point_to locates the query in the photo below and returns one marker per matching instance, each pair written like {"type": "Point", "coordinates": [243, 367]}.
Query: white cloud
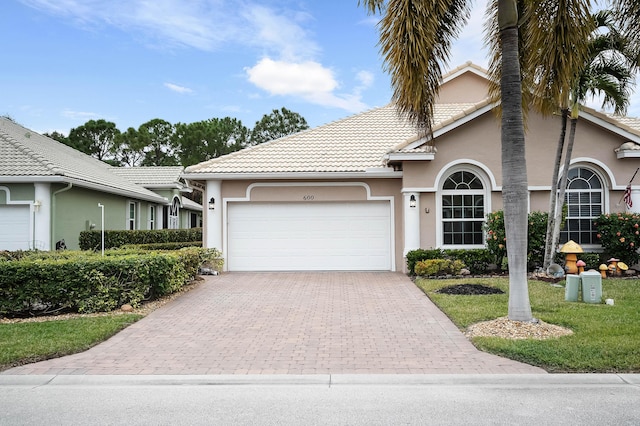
{"type": "Point", "coordinates": [200, 24]}
{"type": "Point", "coordinates": [178, 89]}
{"type": "Point", "coordinates": [308, 80]}
{"type": "Point", "coordinates": [365, 78]}
{"type": "Point", "coordinates": [280, 34]}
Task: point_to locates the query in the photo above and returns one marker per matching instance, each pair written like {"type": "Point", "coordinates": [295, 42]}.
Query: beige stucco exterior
{"type": "Point", "coordinates": [468, 141]}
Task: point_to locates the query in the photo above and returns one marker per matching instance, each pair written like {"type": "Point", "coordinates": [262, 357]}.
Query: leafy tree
{"type": "Point", "coordinates": [279, 123]}
{"type": "Point", "coordinates": [58, 137]}
{"type": "Point", "coordinates": [95, 138]}
{"type": "Point", "coordinates": [130, 148]}
{"type": "Point", "coordinates": [415, 40]}
{"type": "Point", "coordinates": [158, 137]}
{"type": "Point", "coordinates": [203, 140]}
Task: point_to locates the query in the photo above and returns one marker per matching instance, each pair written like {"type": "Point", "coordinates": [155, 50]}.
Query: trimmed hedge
{"type": "Point", "coordinates": [476, 260]}
{"type": "Point", "coordinates": [431, 267]}
{"type": "Point", "coordinates": [81, 282]}
{"type": "Point", "coordinates": [92, 240]}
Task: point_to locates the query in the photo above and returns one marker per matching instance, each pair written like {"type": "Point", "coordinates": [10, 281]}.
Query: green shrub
{"type": "Point", "coordinates": [496, 237]}
{"type": "Point", "coordinates": [476, 260]}
{"type": "Point", "coordinates": [92, 240]}
{"type": "Point", "coordinates": [432, 267]}
{"type": "Point", "coordinates": [88, 282]}
{"type": "Point", "coordinates": [619, 235]}
{"type": "Point", "coordinates": [163, 246]}
{"type": "Point", "coordinates": [417, 255]}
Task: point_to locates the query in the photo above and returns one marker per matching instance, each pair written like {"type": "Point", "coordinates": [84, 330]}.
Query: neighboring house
{"type": "Point", "coordinates": [359, 193]}
{"type": "Point", "coordinates": [167, 181]}
{"type": "Point", "coordinates": [50, 192]}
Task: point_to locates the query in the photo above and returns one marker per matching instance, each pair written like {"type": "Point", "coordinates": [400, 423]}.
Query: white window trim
{"type": "Point", "coordinates": [606, 188]}
{"type": "Point", "coordinates": [174, 219]}
{"type": "Point", "coordinates": [152, 222]}
{"type": "Point", "coordinates": [486, 192]}
{"type": "Point", "coordinates": [136, 215]}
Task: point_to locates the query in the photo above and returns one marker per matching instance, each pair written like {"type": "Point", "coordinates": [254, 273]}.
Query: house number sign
{"type": "Point", "coordinates": [308, 197]}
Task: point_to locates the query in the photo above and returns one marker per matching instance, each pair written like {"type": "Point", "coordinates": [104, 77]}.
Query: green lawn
{"type": "Point", "coordinates": [606, 338]}
{"type": "Point", "coordinates": [22, 343]}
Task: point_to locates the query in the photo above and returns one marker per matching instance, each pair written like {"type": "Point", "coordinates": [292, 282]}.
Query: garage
{"type": "Point", "coordinates": [338, 236]}
{"type": "Point", "coordinates": [14, 227]}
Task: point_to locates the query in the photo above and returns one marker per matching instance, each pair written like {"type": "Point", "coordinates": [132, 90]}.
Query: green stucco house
{"type": "Point", "coordinates": [50, 192]}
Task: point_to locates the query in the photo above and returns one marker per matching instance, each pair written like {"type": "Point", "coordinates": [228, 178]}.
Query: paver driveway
{"type": "Point", "coordinates": [289, 323]}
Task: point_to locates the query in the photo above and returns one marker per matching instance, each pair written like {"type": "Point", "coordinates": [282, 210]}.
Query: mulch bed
{"type": "Point", "coordinates": [469, 289]}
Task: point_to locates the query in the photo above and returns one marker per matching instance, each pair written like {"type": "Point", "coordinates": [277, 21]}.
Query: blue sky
{"type": "Point", "coordinates": [129, 61]}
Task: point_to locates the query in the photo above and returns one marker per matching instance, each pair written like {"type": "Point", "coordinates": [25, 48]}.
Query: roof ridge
{"type": "Point", "coordinates": [283, 139]}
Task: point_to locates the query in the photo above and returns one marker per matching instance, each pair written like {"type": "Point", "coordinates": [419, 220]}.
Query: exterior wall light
{"type": "Point", "coordinates": [212, 203]}
{"type": "Point", "coordinates": [412, 201]}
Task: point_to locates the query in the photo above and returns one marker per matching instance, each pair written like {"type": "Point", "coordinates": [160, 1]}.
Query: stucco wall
{"type": "Point", "coordinates": [75, 208]}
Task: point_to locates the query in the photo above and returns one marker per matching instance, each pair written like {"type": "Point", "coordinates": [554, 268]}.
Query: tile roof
{"type": "Point", "coordinates": [24, 154]}
{"type": "Point", "coordinates": [152, 177]}
{"type": "Point", "coordinates": [354, 144]}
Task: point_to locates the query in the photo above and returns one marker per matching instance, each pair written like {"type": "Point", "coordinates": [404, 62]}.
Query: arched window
{"type": "Point", "coordinates": [174, 214]}
{"type": "Point", "coordinates": [584, 201]}
{"type": "Point", "coordinates": [463, 209]}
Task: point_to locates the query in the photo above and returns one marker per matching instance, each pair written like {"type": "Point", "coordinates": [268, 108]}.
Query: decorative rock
{"type": "Point", "coordinates": [126, 308]}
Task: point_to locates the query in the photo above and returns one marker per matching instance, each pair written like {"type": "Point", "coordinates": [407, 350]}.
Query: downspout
{"type": "Point", "coordinates": [53, 211]}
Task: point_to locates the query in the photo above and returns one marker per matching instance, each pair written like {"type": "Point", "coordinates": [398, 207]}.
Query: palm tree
{"type": "Point", "coordinates": [609, 71]}
{"type": "Point", "coordinates": [557, 50]}
{"type": "Point", "coordinates": [415, 40]}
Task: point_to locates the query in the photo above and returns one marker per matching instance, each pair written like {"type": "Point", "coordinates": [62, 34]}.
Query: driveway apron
{"type": "Point", "coordinates": [289, 323]}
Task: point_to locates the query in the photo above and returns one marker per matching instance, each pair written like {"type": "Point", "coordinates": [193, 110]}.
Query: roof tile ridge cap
{"type": "Point", "coordinates": [610, 119]}
{"type": "Point", "coordinates": [41, 159]}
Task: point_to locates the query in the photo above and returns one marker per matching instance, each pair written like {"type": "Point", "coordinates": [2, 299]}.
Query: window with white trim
{"type": "Point", "coordinates": [584, 199]}
{"type": "Point", "coordinates": [152, 217]}
{"type": "Point", "coordinates": [174, 214]}
{"type": "Point", "coordinates": [132, 218]}
{"type": "Point", "coordinates": [463, 209]}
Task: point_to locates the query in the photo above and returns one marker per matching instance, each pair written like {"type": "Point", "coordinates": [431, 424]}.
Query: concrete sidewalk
{"type": "Point", "coordinates": [289, 323]}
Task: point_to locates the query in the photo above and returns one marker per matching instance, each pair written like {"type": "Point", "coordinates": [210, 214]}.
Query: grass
{"type": "Point", "coordinates": [606, 338]}
{"type": "Point", "coordinates": [26, 342]}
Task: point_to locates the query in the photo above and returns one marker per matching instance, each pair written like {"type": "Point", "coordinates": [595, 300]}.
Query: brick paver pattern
{"type": "Point", "coordinates": [289, 323]}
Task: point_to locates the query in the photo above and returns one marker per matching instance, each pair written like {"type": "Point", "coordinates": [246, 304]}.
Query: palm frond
{"type": "Point", "coordinates": [415, 41]}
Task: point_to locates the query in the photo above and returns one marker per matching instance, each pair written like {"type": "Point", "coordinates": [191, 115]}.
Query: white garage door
{"type": "Point", "coordinates": [14, 227]}
{"type": "Point", "coordinates": [309, 236]}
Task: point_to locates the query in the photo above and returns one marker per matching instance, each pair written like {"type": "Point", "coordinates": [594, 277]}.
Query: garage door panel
{"type": "Point", "coordinates": [314, 236]}
{"type": "Point", "coordinates": [14, 227]}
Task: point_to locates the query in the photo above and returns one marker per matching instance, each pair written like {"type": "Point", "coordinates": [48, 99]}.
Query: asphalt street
{"type": "Point", "coordinates": [574, 399]}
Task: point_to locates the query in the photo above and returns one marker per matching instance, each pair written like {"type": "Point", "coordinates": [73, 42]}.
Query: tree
{"type": "Point", "coordinates": [130, 148]}
{"type": "Point", "coordinates": [608, 71]}
{"type": "Point", "coordinates": [415, 38]}
{"type": "Point", "coordinates": [276, 125]}
{"type": "Point", "coordinates": [95, 138]}
{"type": "Point", "coordinates": [554, 41]}
{"type": "Point", "coordinates": [203, 140]}
{"type": "Point", "coordinates": [58, 137]}
{"type": "Point", "coordinates": [158, 137]}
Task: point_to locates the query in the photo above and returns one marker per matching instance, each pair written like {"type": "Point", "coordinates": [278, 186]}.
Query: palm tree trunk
{"type": "Point", "coordinates": [564, 180]}
{"type": "Point", "coordinates": [514, 169]}
{"type": "Point", "coordinates": [550, 246]}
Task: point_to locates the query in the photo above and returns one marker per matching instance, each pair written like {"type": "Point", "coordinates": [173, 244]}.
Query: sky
{"type": "Point", "coordinates": [65, 62]}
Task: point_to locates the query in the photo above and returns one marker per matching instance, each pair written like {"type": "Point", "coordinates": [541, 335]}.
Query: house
{"type": "Point", "coordinates": [166, 181]}
{"type": "Point", "coordinates": [359, 193]}
{"type": "Point", "coordinates": [50, 192]}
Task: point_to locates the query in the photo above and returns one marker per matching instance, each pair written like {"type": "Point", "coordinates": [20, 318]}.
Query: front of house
{"type": "Point", "coordinates": [359, 193]}
{"type": "Point", "coordinates": [49, 193]}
